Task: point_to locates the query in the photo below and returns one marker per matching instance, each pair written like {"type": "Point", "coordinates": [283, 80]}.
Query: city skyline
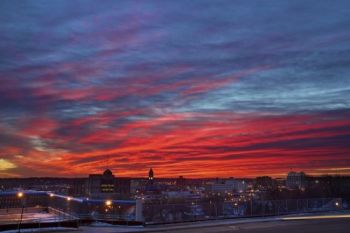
{"type": "Point", "coordinates": [196, 89]}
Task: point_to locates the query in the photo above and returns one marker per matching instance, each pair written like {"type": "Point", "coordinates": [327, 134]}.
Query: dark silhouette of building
{"type": "Point", "coordinates": [102, 185]}
{"type": "Point", "coordinates": [151, 187]}
{"type": "Point", "coordinates": [296, 180]}
{"type": "Point", "coordinates": [265, 183]}
{"type": "Point", "coordinates": [106, 185]}
{"type": "Point", "coordinates": [151, 175]}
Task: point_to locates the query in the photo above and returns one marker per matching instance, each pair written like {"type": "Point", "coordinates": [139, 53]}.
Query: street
{"type": "Point", "coordinates": [295, 226]}
{"type": "Point", "coordinates": [322, 223]}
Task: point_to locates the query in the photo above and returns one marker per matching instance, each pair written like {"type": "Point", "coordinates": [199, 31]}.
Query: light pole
{"type": "Point", "coordinates": [20, 196]}
{"type": "Point", "coordinates": [50, 204]}
{"type": "Point", "coordinates": [68, 207]}
{"type": "Point", "coordinates": [108, 204]}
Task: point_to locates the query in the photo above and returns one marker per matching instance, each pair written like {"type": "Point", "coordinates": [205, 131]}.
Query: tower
{"type": "Point", "coordinates": [150, 174]}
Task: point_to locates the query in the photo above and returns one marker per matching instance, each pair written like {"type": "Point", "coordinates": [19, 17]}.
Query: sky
{"type": "Point", "coordinates": [194, 88]}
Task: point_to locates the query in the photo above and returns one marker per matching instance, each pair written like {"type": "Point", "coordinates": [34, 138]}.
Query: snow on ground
{"type": "Point", "coordinates": [29, 217]}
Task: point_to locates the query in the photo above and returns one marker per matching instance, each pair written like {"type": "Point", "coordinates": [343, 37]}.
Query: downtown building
{"type": "Point", "coordinates": [296, 180]}
{"type": "Point", "coordinates": [107, 186]}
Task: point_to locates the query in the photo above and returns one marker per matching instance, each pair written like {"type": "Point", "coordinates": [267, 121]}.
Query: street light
{"type": "Point", "coordinates": [108, 203]}
{"type": "Point", "coordinates": [51, 195]}
{"type": "Point", "coordinates": [20, 196]}
{"type": "Point", "coordinates": [69, 198]}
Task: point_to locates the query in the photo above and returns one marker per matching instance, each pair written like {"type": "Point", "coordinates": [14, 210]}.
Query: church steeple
{"type": "Point", "coordinates": [150, 174]}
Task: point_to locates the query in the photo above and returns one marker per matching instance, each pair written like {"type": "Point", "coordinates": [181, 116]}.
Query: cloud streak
{"type": "Point", "coordinates": [197, 89]}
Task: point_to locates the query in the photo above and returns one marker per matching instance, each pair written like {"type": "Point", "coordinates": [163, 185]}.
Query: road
{"type": "Point", "coordinates": [295, 226]}
{"type": "Point", "coordinates": [331, 223]}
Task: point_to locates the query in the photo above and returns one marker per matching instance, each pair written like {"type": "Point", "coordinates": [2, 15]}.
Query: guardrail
{"type": "Point", "coordinates": [59, 208]}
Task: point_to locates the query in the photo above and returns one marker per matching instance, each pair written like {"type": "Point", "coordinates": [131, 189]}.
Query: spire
{"type": "Point", "coordinates": [150, 174]}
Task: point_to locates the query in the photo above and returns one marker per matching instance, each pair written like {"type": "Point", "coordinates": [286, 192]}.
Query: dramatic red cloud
{"type": "Point", "coordinates": [198, 144]}
{"type": "Point", "coordinates": [185, 89]}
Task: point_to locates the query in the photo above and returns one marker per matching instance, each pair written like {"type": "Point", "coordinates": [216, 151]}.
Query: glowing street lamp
{"type": "Point", "coordinates": [51, 195]}
{"type": "Point", "coordinates": [20, 196]}
{"type": "Point", "coordinates": [69, 198]}
{"type": "Point", "coordinates": [108, 203]}
{"type": "Point", "coordinates": [337, 204]}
